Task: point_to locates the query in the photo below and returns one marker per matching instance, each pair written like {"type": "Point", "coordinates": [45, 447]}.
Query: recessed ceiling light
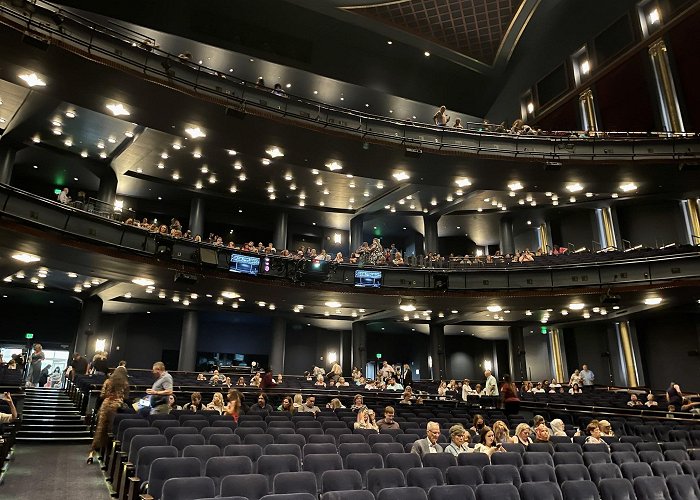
{"type": "Point", "coordinates": [389, 42]}
{"type": "Point", "coordinates": [103, 155]}
{"type": "Point", "coordinates": [654, 16]}
{"type": "Point", "coordinates": [242, 177]}
{"type": "Point", "coordinates": [118, 109]}
{"type": "Point", "coordinates": [176, 176]}
{"type": "Point", "coordinates": [326, 191]}
{"type": "Point", "coordinates": [68, 142]}
{"type": "Point", "coordinates": [70, 113]}
{"type": "Point", "coordinates": [57, 131]}
{"type": "Point", "coordinates": [576, 306]}
{"type": "Point", "coordinates": [494, 308]}
{"type": "Point", "coordinates": [212, 179]}
{"type": "Point", "coordinates": [530, 107]}
{"type": "Point", "coordinates": [463, 182]}
{"type": "Point", "coordinates": [84, 154]}
{"type": "Point", "coordinates": [653, 301]}
{"type": "Point", "coordinates": [289, 85]}
{"type": "Point", "coordinates": [129, 134]}
{"type": "Point", "coordinates": [265, 161]}
{"type": "Point", "coordinates": [195, 132]}
{"type": "Point", "coordinates": [160, 198]}
{"type": "Point", "coordinates": [111, 139]}
{"type": "Point", "coordinates": [198, 185]}
{"type": "Point", "coordinates": [574, 187]}
{"type": "Point", "coordinates": [161, 165]}
{"type": "Point", "coordinates": [293, 187]}
{"type": "Point", "coordinates": [36, 139]}
{"type": "Point", "coordinates": [614, 195]}
{"type": "Point", "coordinates": [314, 171]}
{"type": "Point", "coordinates": [32, 79]}
{"type": "Point", "coordinates": [515, 186]}
{"type": "Point", "coordinates": [572, 199]}
{"type": "Point", "coordinates": [426, 53]}
{"type": "Point", "coordinates": [334, 165]}
{"type": "Point", "coordinates": [315, 92]}
{"type": "Point", "coordinates": [589, 195]}
{"type": "Point", "coordinates": [26, 257]}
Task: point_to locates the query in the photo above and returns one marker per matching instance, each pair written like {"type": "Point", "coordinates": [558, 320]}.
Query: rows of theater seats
{"type": "Point", "coordinates": [185, 456]}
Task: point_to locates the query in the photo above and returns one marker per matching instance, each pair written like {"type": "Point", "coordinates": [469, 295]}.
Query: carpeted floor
{"type": "Point", "coordinates": [53, 471]}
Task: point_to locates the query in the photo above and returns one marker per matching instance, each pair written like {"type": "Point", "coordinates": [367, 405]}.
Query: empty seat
{"type": "Point", "coordinates": [163, 469]}
{"type": "Point", "coordinates": [385, 448]}
{"type": "Point", "coordinates": [691, 467]}
{"type": "Point", "coordinates": [275, 432]}
{"type": "Point", "coordinates": [320, 463]}
{"type": "Point", "coordinates": [340, 480]}
{"type": "Point", "coordinates": [580, 490]}
{"type": "Point", "coordinates": [188, 488]}
{"type": "Point", "coordinates": [336, 433]}
{"type": "Point", "coordinates": [346, 495]}
{"type": "Point", "coordinates": [538, 458]}
{"type": "Point", "coordinates": [651, 488]}
{"type": "Point", "coordinates": [439, 460]}
{"type": "Point", "coordinates": [181, 441]}
{"type": "Point", "coordinates": [514, 447]}
{"type": "Point", "coordinates": [499, 474]}
{"type": "Point", "coordinates": [666, 469]}
{"type": "Point", "coordinates": [283, 449]}
{"type": "Point", "coordinates": [202, 452]}
{"type": "Point", "coordinates": [541, 447]}
{"type": "Point", "coordinates": [507, 458]}
{"type": "Point", "coordinates": [616, 489]}
{"type": "Point", "coordinates": [363, 462]}
{"type": "Point", "coordinates": [451, 492]}
{"type": "Point", "coordinates": [568, 447]}
{"type": "Point", "coordinates": [600, 447]}
{"type": "Point", "coordinates": [567, 457]}
{"type": "Point", "coordinates": [631, 470]}
{"type": "Point", "coordinates": [468, 475]}
{"type": "Point", "coordinates": [571, 472]}
{"type": "Point", "coordinates": [631, 439]}
{"type": "Point", "coordinates": [307, 424]}
{"type": "Point", "coordinates": [621, 457]}
{"type": "Point", "coordinates": [405, 439]}
{"type": "Point", "coordinates": [197, 424]}
{"type": "Point", "coordinates": [680, 436]}
{"type": "Point", "coordinates": [623, 447]}
{"type": "Point", "coordinates": [261, 440]}
{"type": "Point", "coordinates": [648, 447]}
{"type": "Point", "coordinates": [676, 455]}
{"type": "Point", "coordinates": [596, 457]}
{"type": "Point", "coordinates": [295, 482]}
{"type": "Point", "coordinates": [319, 448]}
{"type": "Point", "coordinates": [270, 465]}
{"type": "Point", "coordinates": [478, 459]}
{"type": "Point", "coordinates": [402, 461]}
{"type": "Point", "coordinates": [540, 491]}
{"type": "Point", "coordinates": [650, 456]}
{"type": "Point", "coordinates": [424, 477]}
{"type": "Point", "coordinates": [247, 431]}
{"type": "Point", "coordinates": [378, 479]}
{"type": "Point", "coordinates": [407, 493]}
{"type": "Point", "coordinates": [537, 473]}
{"type": "Point", "coordinates": [604, 471]}
{"type": "Point", "coordinates": [223, 440]}
{"type": "Point", "coordinates": [250, 486]}
{"type": "Point", "coordinates": [172, 431]}
{"type": "Point", "coordinates": [673, 445]}
{"type": "Point", "coordinates": [252, 451]}
{"type": "Point", "coordinates": [683, 487]}
{"type": "Point", "coordinates": [218, 468]}
{"type": "Point", "coordinates": [320, 439]}
{"type": "Point", "coordinates": [345, 449]}
{"type": "Point", "coordinates": [500, 491]}
{"type": "Point", "coordinates": [208, 432]}
{"type": "Point", "coordinates": [373, 439]}
{"type": "Point", "coordinates": [350, 438]}
{"type": "Point", "coordinates": [161, 425]}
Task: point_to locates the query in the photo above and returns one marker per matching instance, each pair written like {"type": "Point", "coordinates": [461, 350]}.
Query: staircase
{"type": "Point", "coordinates": [50, 415]}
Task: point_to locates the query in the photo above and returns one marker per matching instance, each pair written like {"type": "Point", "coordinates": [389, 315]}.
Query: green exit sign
{"type": "Point", "coordinates": [379, 355]}
{"type": "Point", "coordinates": [28, 336]}
{"type": "Point", "coordinates": [543, 330]}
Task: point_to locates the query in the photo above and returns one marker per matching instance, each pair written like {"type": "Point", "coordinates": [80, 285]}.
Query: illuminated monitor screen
{"type": "Point", "coordinates": [245, 264]}
{"type": "Point", "coordinates": [368, 279]}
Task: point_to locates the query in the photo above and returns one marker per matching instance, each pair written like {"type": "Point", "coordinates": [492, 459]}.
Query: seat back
{"type": "Point", "coordinates": [140, 441]}
{"type": "Point", "coordinates": [402, 461]}
{"type": "Point", "coordinates": [181, 441]}
{"type": "Point", "coordinates": [295, 482]}
{"type": "Point", "coordinates": [604, 471]}
{"type": "Point", "coordinates": [363, 462]}
{"type": "Point", "coordinates": [451, 492]}
{"type": "Point", "coordinates": [406, 493]}
{"type": "Point", "coordinates": [163, 469]}
{"type": "Point", "coordinates": [424, 477]}
{"type": "Point", "coordinates": [580, 490]}
{"type": "Point", "coordinates": [499, 474]}
{"type": "Point", "coordinates": [172, 431]}
{"type": "Point", "coordinates": [540, 491]}
{"type": "Point", "coordinates": [378, 479]}
{"type": "Point", "coordinates": [683, 487]}
{"type": "Point", "coordinates": [621, 457]}
{"type": "Point", "coordinates": [478, 459]}
{"type": "Point", "coordinates": [468, 475]}
{"type": "Point", "coordinates": [538, 458]}
{"type": "Point", "coordinates": [631, 470]}
{"type": "Point", "coordinates": [596, 457]}
{"type": "Point", "coordinates": [149, 454]}
{"type": "Point", "coordinates": [567, 457]}
{"type": "Point", "coordinates": [507, 458]}
{"type": "Point", "coordinates": [616, 489]}
{"type": "Point", "coordinates": [270, 465]}
{"type": "Point", "coordinates": [651, 488]}
{"type": "Point", "coordinates": [202, 452]}
{"type": "Point", "coordinates": [250, 486]}
{"type": "Point", "coordinates": [188, 488]}
{"type": "Point", "coordinates": [218, 468]}
{"type": "Point", "coordinates": [537, 473]}
{"type": "Point", "coordinates": [500, 491]}
{"type": "Point", "coordinates": [223, 440]}
{"type": "Point", "coordinates": [319, 463]}
{"type": "Point", "coordinates": [571, 472]}
{"type": "Point", "coordinates": [339, 480]}
{"type": "Point", "coordinates": [666, 469]}
{"type": "Point", "coordinates": [318, 448]}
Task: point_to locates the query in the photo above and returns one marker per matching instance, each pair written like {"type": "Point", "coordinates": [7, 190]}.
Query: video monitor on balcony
{"type": "Point", "coordinates": [368, 279]}
{"type": "Point", "coordinates": [245, 264]}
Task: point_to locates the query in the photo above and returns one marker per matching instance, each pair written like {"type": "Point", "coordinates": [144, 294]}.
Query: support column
{"type": "Point", "coordinates": [277, 351]}
{"type": "Point", "coordinates": [629, 354]}
{"type": "Point", "coordinates": [692, 220]}
{"type": "Point", "coordinates": [666, 89]}
{"type": "Point", "coordinates": [516, 348]}
{"type": "Point", "coordinates": [188, 341]}
{"type": "Point", "coordinates": [196, 222]}
{"type": "Point", "coordinates": [606, 228]}
{"type": "Point", "coordinates": [437, 351]}
{"type": "Point", "coordinates": [108, 186]}
{"type": "Point", "coordinates": [430, 233]}
{"type": "Point", "coordinates": [7, 162]}
{"type": "Point", "coordinates": [588, 114]}
{"type": "Point", "coordinates": [279, 238]}
{"type": "Point", "coordinates": [87, 326]}
{"type": "Point", "coordinates": [359, 345]}
{"type": "Point", "coordinates": [356, 232]}
{"type": "Point", "coordinates": [506, 235]}
{"type": "Point", "coordinates": [544, 237]}
{"type": "Point", "coordinates": [556, 348]}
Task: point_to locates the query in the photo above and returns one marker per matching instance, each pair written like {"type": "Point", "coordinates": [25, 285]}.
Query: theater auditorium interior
{"type": "Point", "coordinates": [415, 249]}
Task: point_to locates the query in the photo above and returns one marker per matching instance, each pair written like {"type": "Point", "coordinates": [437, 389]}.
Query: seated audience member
{"type": "Point", "coordinates": [606, 429]}
{"type": "Point", "coordinates": [286, 405]}
{"type": "Point", "coordinates": [538, 389]}
{"type": "Point", "coordinates": [262, 405]}
{"type": "Point", "coordinates": [575, 389]}
{"type": "Point", "coordinates": [335, 404]}
{"type": "Point", "coordinates": [634, 401]}
{"type": "Point", "coordinates": [526, 387]}
{"type": "Point", "coordinates": [234, 406]}
{"type": "Point", "coordinates": [309, 406]}
{"type": "Point", "coordinates": [215, 376]}
{"type": "Point", "coordinates": [487, 444]}
{"type": "Point", "coordinates": [365, 420]}
{"type": "Point", "coordinates": [342, 382]}
{"type": "Point", "coordinates": [217, 403]}
{"type": "Point", "coordinates": [172, 403]}
{"type": "Point", "coordinates": [522, 435]}
{"type": "Point", "coordinates": [459, 441]}
{"type": "Point", "coordinates": [255, 380]}
{"type": "Point", "coordinates": [594, 434]}
{"type": "Point", "coordinates": [298, 401]}
{"type": "Point", "coordinates": [320, 382]}
{"type": "Point", "coordinates": [195, 403]}
{"type": "Point", "coordinates": [670, 410]}
{"type": "Point", "coordinates": [398, 259]}
{"type": "Point", "coordinates": [466, 389]}
{"type": "Point", "coordinates": [406, 398]}
{"type": "Point", "coordinates": [542, 434]}
{"type": "Point", "coordinates": [241, 381]}
{"type": "Point", "coordinates": [477, 424]}
{"type": "Point", "coordinates": [557, 427]}
{"type": "Point", "coordinates": [576, 379]}
{"type": "Point", "coordinates": [393, 385]}
{"type": "Point", "coordinates": [442, 390]}
{"type": "Point", "coordinates": [388, 421]}
{"type": "Point", "coordinates": [419, 400]}
{"type": "Point", "coordinates": [6, 418]}
{"type": "Point", "coordinates": [554, 384]}
{"type": "Point", "coordinates": [317, 370]}
{"type": "Point", "coordinates": [429, 443]}
{"type": "Point", "coordinates": [361, 381]}
{"type": "Point", "coordinates": [357, 402]}
{"type": "Point", "coordinates": [63, 196]}
{"type": "Point", "coordinates": [501, 432]}
{"type": "Point", "coordinates": [651, 402]}
{"type": "Point", "coordinates": [478, 390]}
{"type": "Point", "coordinates": [268, 380]}
{"type": "Point", "coordinates": [200, 377]}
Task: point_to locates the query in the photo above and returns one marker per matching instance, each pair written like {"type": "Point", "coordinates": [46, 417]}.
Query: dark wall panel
{"type": "Point", "coordinates": [585, 344]}
{"type": "Point", "coordinates": [683, 41]}
{"type": "Point", "coordinates": [564, 117]}
{"type": "Point", "coordinates": [308, 346]}
{"type": "Point", "coordinates": [553, 85]}
{"type": "Point", "coordinates": [653, 224]}
{"type": "Point", "coordinates": [412, 348]}
{"type": "Point", "coordinates": [572, 226]}
{"type": "Point", "coordinates": [614, 40]}
{"type": "Point", "coordinates": [466, 355]}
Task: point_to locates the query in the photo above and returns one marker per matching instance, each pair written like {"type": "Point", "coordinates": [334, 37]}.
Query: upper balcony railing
{"type": "Point", "coordinates": [129, 51]}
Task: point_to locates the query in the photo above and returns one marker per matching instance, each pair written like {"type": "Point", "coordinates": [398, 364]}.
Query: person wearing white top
{"type": "Point", "coordinates": [491, 387]}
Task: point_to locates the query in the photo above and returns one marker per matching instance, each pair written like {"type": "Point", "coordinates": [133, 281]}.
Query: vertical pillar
{"type": "Point", "coordinates": [7, 162]}
{"type": "Point", "coordinates": [107, 191]}
{"type": "Point", "coordinates": [277, 351]}
{"type": "Point", "coordinates": [629, 354]}
{"type": "Point", "coordinates": [279, 238]}
{"type": "Point", "coordinates": [516, 348]}
{"type": "Point", "coordinates": [359, 345]}
{"type": "Point", "coordinates": [188, 341]}
{"type": "Point", "coordinates": [356, 232]}
{"type": "Point", "coordinates": [588, 115]}
{"type": "Point", "coordinates": [556, 349]}
{"type": "Point", "coordinates": [506, 236]}
{"type": "Point", "coordinates": [544, 237]}
{"type": "Point", "coordinates": [87, 326]}
{"type": "Point", "coordinates": [437, 351]}
{"type": "Point", "coordinates": [430, 233]}
{"type": "Point", "coordinates": [692, 220]}
{"type": "Point", "coordinates": [668, 99]}
{"type": "Point", "coordinates": [196, 224]}
{"type": "Point", "coordinates": [606, 228]}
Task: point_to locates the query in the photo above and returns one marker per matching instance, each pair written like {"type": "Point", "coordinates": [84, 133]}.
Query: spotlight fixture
{"type": "Point", "coordinates": [118, 109]}
{"type": "Point", "coordinates": [274, 152]}
{"type": "Point", "coordinates": [195, 132]}
{"type": "Point", "coordinates": [334, 165]}
{"type": "Point", "coordinates": [32, 80]}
